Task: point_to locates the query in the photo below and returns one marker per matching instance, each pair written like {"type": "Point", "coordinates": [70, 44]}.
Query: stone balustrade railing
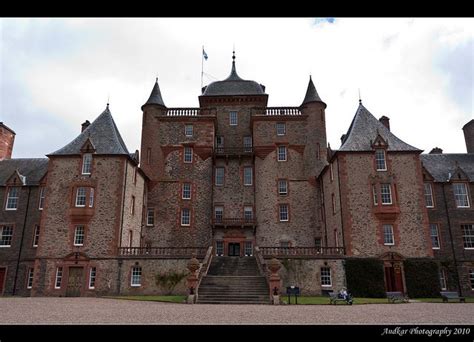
{"type": "Point", "coordinates": [282, 111]}
{"type": "Point", "coordinates": [289, 252]}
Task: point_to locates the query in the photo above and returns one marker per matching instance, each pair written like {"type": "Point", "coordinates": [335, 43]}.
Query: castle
{"type": "Point", "coordinates": [235, 184]}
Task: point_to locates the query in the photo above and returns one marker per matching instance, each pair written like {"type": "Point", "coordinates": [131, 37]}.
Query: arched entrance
{"type": "Point", "coordinates": [393, 272]}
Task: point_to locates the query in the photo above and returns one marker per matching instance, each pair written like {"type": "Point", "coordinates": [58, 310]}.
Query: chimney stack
{"type": "Point", "coordinates": [85, 125]}
{"type": "Point", "coordinates": [385, 121]}
{"type": "Point", "coordinates": [469, 136]}
{"type": "Point", "coordinates": [436, 150]}
{"type": "Point", "coordinates": [7, 138]}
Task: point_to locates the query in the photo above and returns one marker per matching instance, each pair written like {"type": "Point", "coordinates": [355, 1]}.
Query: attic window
{"type": "Point", "coordinates": [380, 160]}
{"type": "Point", "coordinates": [86, 164]}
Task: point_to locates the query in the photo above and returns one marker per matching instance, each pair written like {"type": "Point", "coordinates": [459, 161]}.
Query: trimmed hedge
{"type": "Point", "coordinates": [365, 277]}
{"type": "Point", "coordinates": [421, 278]}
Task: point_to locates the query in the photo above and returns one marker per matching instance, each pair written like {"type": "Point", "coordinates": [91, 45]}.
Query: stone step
{"type": "Point", "coordinates": [233, 302]}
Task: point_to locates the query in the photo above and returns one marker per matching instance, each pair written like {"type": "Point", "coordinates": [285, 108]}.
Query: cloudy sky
{"type": "Point", "coordinates": [56, 73]}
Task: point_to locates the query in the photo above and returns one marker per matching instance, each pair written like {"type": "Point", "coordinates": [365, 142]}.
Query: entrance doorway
{"type": "Point", "coordinates": [393, 278]}
{"type": "Point", "coordinates": [74, 284]}
{"type": "Point", "coordinates": [234, 249]}
{"type": "Point", "coordinates": [3, 271]}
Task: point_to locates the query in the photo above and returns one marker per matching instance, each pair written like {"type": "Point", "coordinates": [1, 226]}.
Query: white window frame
{"type": "Point", "coordinates": [248, 143]}
{"type": "Point", "coordinates": [87, 163]}
{"type": "Point", "coordinates": [281, 128]}
{"type": "Point", "coordinates": [136, 276]}
{"type": "Point", "coordinates": [92, 277]}
{"type": "Point", "coordinates": [326, 276]}
{"type": "Point", "coordinates": [282, 153]}
{"type": "Point", "coordinates": [36, 235]}
{"type": "Point", "coordinates": [374, 193]}
{"type": "Point", "coordinates": [233, 118]}
{"type": "Point", "coordinates": [434, 237]}
{"type": "Point", "coordinates": [186, 192]}
{"type": "Point", "coordinates": [42, 196]}
{"type": "Point", "coordinates": [12, 199]}
{"type": "Point", "coordinates": [80, 195]}
{"type": "Point", "coordinates": [389, 193]}
{"type": "Point", "coordinates": [219, 248]}
{"type": "Point", "coordinates": [380, 160]}
{"type": "Point", "coordinates": [78, 235]}
{"type": "Point", "coordinates": [248, 248]}
{"type": "Point", "coordinates": [6, 240]}
{"type": "Point", "coordinates": [282, 187]}
{"type": "Point", "coordinates": [461, 196]}
{"type": "Point", "coordinates": [184, 217]}
{"type": "Point", "coordinates": [442, 279]}
{"type": "Point", "coordinates": [218, 217]}
{"type": "Point", "coordinates": [248, 209]}
{"type": "Point", "coordinates": [188, 130]}
{"type": "Point", "coordinates": [331, 172]}
{"type": "Point", "coordinates": [30, 278]}
{"type": "Point", "coordinates": [428, 191]}
{"type": "Point", "coordinates": [284, 212]}
{"type": "Point", "coordinates": [150, 213]}
{"type": "Point", "coordinates": [188, 155]}
{"type": "Point", "coordinates": [388, 234]}
{"type": "Point", "coordinates": [248, 176]}
{"type": "Point", "coordinates": [468, 235]}
{"type": "Point", "coordinates": [59, 277]}
{"type": "Point", "coordinates": [217, 176]}
{"type": "Point", "coordinates": [91, 197]}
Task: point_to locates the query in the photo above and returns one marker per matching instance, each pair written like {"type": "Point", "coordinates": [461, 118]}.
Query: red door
{"type": "Point", "coordinates": [393, 279]}
{"type": "Point", "coordinates": [3, 271]}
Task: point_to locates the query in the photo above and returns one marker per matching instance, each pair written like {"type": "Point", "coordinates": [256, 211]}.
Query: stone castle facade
{"type": "Point", "coordinates": [231, 178]}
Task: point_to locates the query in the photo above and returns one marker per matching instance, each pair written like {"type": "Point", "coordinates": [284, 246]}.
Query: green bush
{"type": "Point", "coordinates": [168, 281]}
{"type": "Point", "coordinates": [421, 277]}
{"type": "Point", "coordinates": [365, 277]}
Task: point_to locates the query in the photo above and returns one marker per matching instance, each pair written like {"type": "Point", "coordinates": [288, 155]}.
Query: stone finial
{"type": "Point", "coordinates": [274, 265]}
{"type": "Point", "coordinates": [193, 265]}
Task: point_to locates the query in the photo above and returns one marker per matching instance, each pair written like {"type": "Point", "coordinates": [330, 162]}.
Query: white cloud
{"type": "Point", "coordinates": [74, 64]}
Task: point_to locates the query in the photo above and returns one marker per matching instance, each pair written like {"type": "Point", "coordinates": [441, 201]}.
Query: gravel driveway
{"type": "Point", "coordinates": [39, 310]}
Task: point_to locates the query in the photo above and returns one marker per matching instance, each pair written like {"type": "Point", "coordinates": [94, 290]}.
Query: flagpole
{"type": "Point", "coordinates": [202, 65]}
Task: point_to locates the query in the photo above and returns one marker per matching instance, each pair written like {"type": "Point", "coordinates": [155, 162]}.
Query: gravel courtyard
{"type": "Point", "coordinates": [112, 311]}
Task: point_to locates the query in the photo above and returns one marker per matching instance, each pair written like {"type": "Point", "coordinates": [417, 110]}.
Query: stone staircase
{"type": "Point", "coordinates": [233, 280]}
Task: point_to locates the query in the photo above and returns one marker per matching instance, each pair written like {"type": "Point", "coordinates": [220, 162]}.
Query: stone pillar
{"type": "Point", "coordinates": [192, 281]}
{"type": "Point", "coordinates": [274, 281]}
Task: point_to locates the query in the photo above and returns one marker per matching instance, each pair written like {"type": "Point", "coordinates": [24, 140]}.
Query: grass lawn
{"type": "Point", "coordinates": [171, 299]}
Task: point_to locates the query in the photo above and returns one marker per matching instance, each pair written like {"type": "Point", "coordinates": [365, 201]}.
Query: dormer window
{"type": "Point", "coordinates": [12, 198]}
{"type": "Point", "coordinates": [86, 163]}
{"type": "Point", "coordinates": [460, 195]}
{"type": "Point", "coordinates": [380, 161]}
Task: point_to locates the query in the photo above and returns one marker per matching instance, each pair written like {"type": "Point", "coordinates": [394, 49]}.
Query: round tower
{"type": "Point", "coordinates": [469, 136]}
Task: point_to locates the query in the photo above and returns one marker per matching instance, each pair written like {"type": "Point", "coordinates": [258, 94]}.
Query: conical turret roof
{"type": "Point", "coordinates": [311, 94]}
{"type": "Point", "coordinates": [102, 133]}
{"type": "Point", "coordinates": [155, 96]}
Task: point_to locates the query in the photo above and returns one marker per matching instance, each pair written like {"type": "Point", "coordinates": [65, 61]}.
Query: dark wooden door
{"type": "Point", "coordinates": [234, 249]}
{"type": "Point", "coordinates": [393, 279]}
{"type": "Point", "coordinates": [390, 279]}
{"type": "Point", "coordinates": [3, 271]}
{"type": "Point", "coordinates": [74, 283]}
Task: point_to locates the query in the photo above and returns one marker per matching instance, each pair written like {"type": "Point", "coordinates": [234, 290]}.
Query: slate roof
{"type": "Point", "coordinates": [311, 93]}
{"type": "Point", "coordinates": [364, 130]}
{"type": "Point", "coordinates": [104, 135]}
{"type": "Point", "coordinates": [441, 165]}
{"type": "Point", "coordinates": [155, 96]}
{"type": "Point", "coordinates": [33, 169]}
{"type": "Point", "coordinates": [233, 85]}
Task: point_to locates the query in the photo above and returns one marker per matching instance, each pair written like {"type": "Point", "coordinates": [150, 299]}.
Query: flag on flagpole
{"type": "Point", "coordinates": [204, 54]}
